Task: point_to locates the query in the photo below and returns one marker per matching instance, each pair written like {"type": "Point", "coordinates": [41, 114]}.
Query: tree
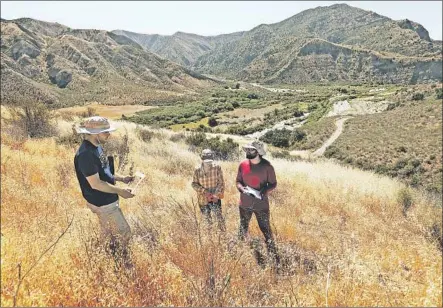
{"type": "Point", "coordinates": [212, 122]}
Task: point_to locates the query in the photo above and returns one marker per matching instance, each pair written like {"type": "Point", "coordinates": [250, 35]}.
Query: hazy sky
{"type": "Point", "coordinates": [203, 17]}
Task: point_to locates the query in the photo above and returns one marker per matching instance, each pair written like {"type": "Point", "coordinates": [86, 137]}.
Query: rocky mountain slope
{"type": "Point", "coordinates": [57, 65]}
{"type": "Point", "coordinates": [334, 43]}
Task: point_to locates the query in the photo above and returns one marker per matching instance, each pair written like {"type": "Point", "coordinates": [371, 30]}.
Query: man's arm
{"type": "Point", "coordinates": [123, 178]}
{"type": "Point", "coordinates": [239, 180]}
{"type": "Point", "coordinates": [220, 189]}
{"type": "Point", "coordinates": [90, 171]}
{"type": "Point", "coordinates": [97, 184]}
{"type": "Point", "coordinates": [271, 181]}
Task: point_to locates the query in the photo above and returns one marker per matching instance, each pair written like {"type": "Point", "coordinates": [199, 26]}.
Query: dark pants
{"type": "Point", "coordinates": [264, 225]}
{"type": "Point", "coordinates": [215, 208]}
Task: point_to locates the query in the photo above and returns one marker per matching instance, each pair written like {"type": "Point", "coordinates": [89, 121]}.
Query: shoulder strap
{"type": "Point", "coordinates": [111, 164]}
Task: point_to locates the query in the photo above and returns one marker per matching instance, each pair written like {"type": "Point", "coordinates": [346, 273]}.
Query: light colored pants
{"type": "Point", "coordinates": [112, 222]}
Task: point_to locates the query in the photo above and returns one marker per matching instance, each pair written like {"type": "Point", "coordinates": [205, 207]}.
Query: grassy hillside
{"type": "Point", "coordinates": [347, 237]}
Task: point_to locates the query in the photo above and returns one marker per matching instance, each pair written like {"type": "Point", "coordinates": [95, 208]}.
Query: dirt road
{"type": "Point", "coordinates": [339, 123]}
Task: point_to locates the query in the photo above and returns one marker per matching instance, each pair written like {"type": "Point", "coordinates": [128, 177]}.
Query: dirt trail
{"type": "Point", "coordinates": [339, 123]}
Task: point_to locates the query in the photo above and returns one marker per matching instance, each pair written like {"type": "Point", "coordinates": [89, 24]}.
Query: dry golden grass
{"type": "Point", "coordinates": [111, 112]}
{"type": "Point", "coordinates": [341, 232]}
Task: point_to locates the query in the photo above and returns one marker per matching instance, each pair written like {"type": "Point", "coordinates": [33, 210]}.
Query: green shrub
{"type": "Point", "coordinates": [252, 96]}
{"type": "Point", "coordinates": [400, 163]}
{"type": "Point", "coordinates": [212, 122]}
{"type": "Point", "coordinates": [381, 169]}
{"type": "Point", "coordinates": [439, 93]}
{"type": "Point", "coordinates": [401, 149]}
{"type": "Point", "coordinates": [298, 135]}
{"type": "Point", "coordinates": [298, 113]}
{"type": "Point", "coordinates": [202, 128]}
{"type": "Point", "coordinates": [224, 149]}
{"type": "Point", "coordinates": [418, 96]}
{"type": "Point", "coordinates": [279, 137]}
{"type": "Point", "coordinates": [285, 155]}
{"type": "Point", "coordinates": [144, 134]}
{"type": "Point", "coordinates": [177, 137]}
{"type": "Point", "coordinates": [404, 199]}
{"type": "Point", "coordinates": [33, 121]}
{"type": "Point", "coordinates": [333, 152]}
{"type": "Point", "coordinates": [415, 162]}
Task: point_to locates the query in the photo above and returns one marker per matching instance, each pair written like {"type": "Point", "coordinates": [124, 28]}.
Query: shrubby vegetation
{"type": "Point", "coordinates": [31, 120]}
{"type": "Point", "coordinates": [224, 149]}
{"type": "Point", "coordinates": [283, 138]}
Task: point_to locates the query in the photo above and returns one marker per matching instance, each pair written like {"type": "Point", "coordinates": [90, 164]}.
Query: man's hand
{"type": "Point", "coordinates": [241, 188]}
{"type": "Point", "coordinates": [127, 179]}
{"type": "Point", "coordinates": [263, 193]}
{"type": "Point", "coordinates": [126, 193]}
{"type": "Point", "coordinates": [209, 197]}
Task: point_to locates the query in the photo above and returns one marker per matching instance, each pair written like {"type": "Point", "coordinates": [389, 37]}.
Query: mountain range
{"type": "Point", "coordinates": [58, 65]}
{"type": "Point", "coordinates": [51, 63]}
{"type": "Point", "coordinates": [333, 43]}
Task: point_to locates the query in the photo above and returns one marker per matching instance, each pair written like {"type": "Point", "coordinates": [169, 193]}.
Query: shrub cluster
{"type": "Point", "coordinates": [283, 138]}
{"type": "Point", "coordinates": [224, 149]}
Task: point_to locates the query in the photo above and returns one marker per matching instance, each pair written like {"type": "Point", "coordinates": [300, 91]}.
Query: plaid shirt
{"type": "Point", "coordinates": [210, 181]}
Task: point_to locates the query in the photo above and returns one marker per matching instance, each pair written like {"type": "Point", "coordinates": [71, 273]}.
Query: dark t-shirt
{"type": "Point", "coordinates": [259, 176]}
{"type": "Point", "coordinates": [88, 161]}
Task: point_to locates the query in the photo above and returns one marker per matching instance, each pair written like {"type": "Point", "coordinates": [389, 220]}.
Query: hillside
{"type": "Point", "coordinates": [334, 43]}
{"type": "Point", "coordinates": [347, 237]}
{"type": "Point", "coordinates": [62, 66]}
{"type": "Point", "coordinates": [405, 142]}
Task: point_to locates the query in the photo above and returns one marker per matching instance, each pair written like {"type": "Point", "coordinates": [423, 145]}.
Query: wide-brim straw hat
{"type": "Point", "coordinates": [95, 125]}
{"type": "Point", "coordinates": [257, 145]}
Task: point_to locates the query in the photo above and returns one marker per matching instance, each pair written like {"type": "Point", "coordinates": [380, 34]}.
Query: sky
{"type": "Point", "coordinates": [203, 17]}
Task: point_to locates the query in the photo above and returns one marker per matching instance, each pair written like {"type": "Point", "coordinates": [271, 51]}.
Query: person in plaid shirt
{"type": "Point", "coordinates": [209, 184]}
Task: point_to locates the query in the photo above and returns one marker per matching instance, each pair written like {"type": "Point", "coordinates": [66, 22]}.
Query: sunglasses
{"type": "Point", "coordinates": [250, 150]}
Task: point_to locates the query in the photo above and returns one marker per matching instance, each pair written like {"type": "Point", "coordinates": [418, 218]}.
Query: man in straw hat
{"type": "Point", "coordinates": [97, 184]}
{"type": "Point", "coordinates": [255, 180]}
{"type": "Point", "coordinates": [209, 184]}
